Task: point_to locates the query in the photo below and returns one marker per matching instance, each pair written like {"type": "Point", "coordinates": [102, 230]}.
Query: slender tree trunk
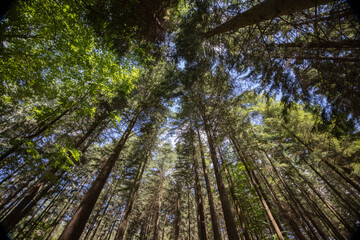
{"type": "Point", "coordinates": [42, 215]}
{"type": "Point", "coordinates": [265, 10]}
{"type": "Point", "coordinates": [214, 218]}
{"type": "Point", "coordinates": [131, 199]}
{"type": "Point", "coordinates": [225, 203]}
{"type": "Point", "coordinates": [232, 193]}
{"type": "Point", "coordinates": [189, 215]}
{"type": "Point", "coordinates": [159, 204]}
{"type": "Point", "coordinates": [15, 193]}
{"type": "Point", "coordinates": [327, 204]}
{"type": "Point", "coordinates": [104, 211]}
{"type": "Point", "coordinates": [60, 216]}
{"type": "Point", "coordinates": [177, 220]}
{"type": "Point", "coordinates": [289, 208]}
{"type": "Point", "coordinates": [260, 194]}
{"type": "Point", "coordinates": [30, 201]}
{"type": "Point", "coordinates": [199, 200]}
{"type": "Point", "coordinates": [76, 225]}
{"type": "Point", "coordinates": [348, 180]}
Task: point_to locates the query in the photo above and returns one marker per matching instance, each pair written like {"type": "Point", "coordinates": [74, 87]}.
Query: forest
{"type": "Point", "coordinates": [180, 119]}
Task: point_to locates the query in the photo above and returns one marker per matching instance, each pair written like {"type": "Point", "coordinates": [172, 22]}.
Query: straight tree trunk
{"type": "Point", "coordinates": [214, 218]}
{"type": "Point", "coordinates": [291, 206]}
{"type": "Point", "coordinates": [13, 217]}
{"type": "Point", "coordinates": [131, 199]}
{"type": "Point", "coordinates": [76, 225]}
{"type": "Point", "coordinates": [327, 204]}
{"type": "Point", "coordinates": [104, 211]}
{"type": "Point", "coordinates": [177, 220]}
{"type": "Point", "coordinates": [60, 216]}
{"type": "Point", "coordinates": [225, 203]}
{"type": "Point", "coordinates": [27, 203]}
{"type": "Point", "coordinates": [189, 215]}
{"type": "Point", "coordinates": [200, 217]}
{"type": "Point", "coordinates": [265, 10]}
{"type": "Point", "coordinates": [232, 192]}
{"type": "Point", "coordinates": [158, 207]}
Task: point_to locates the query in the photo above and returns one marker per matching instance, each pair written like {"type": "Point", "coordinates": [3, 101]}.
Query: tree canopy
{"type": "Point", "coordinates": [179, 119]}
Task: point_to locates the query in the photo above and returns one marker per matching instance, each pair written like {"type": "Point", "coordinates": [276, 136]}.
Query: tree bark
{"type": "Point", "coordinates": [232, 193]}
{"type": "Point", "coordinates": [214, 218]}
{"type": "Point", "coordinates": [177, 220]}
{"type": "Point", "coordinates": [189, 215]}
{"type": "Point", "coordinates": [266, 10]}
{"type": "Point", "coordinates": [199, 199]}
{"type": "Point", "coordinates": [225, 203]}
{"type": "Point", "coordinates": [131, 199]}
{"type": "Point", "coordinates": [158, 207]}
{"type": "Point", "coordinates": [77, 223]}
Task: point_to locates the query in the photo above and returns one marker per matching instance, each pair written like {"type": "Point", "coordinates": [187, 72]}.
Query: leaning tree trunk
{"type": "Point", "coordinates": [259, 192]}
{"type": "Point", "coordinates": [32, 198]}
{"type": "Point", "coordinates": [266, 10]}
{"type": "Point", "coordinates": [77, 223]}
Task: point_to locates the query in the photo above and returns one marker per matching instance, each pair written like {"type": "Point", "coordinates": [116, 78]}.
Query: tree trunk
{"type": "Point", "coordinates": [232, 193]}
{"type": "Point", "coordinates": [131, 199]}
{"type": "Point", "coordinates": [266, 10]}
{"type": "Point", "coordinates": [76, 225]}
{"type": "Point", "coordinates": [260, 194]}
{"type": "Point", "coordinates": [344, 44]}
{"type": "Point", "coordinates": [189, 215]}
{"type": "Point", "coordinates": [200, 217]}
{"type": "Point", "coordinates": [214, 219]}
{"type": "Point", "coordinates": [177, 220]}
{"type": "Point", "coordinates": [159, 204]}
{"type": "Point", "coordinates": [29, 201]}
{"type": "Point", "coordinates": [225, 203]}
{"type": "Point", "coordinates": [13, 217]}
